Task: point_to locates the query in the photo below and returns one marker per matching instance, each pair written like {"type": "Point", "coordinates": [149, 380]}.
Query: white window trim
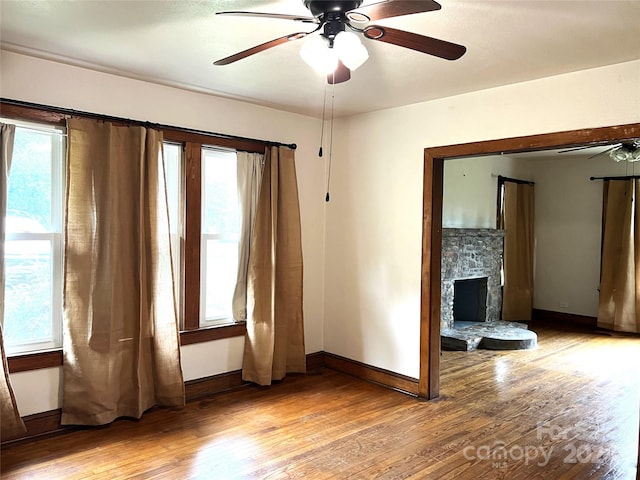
{"type": "Point", "coordinates": [204, 237]}
{"type": "Point", "coordinates": [58, 186]}
{"type": "Point", "coordinates": [204, 321]}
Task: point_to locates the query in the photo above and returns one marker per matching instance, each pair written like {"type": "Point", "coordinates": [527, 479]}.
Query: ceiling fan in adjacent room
{"type": "Point", "coordinates": [337, 50]}
{"type": "Point", "coordinates": [628, 151]}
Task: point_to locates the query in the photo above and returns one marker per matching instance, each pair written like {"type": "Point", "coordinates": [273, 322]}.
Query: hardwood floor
{"type": "Point", "coordinates": [568, 409]}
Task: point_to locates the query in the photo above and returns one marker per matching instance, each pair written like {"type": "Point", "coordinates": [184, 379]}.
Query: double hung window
{"type": "Point", "coordinates": [220, 227]}
{"type": "Point", "coordinates": [33, 240]}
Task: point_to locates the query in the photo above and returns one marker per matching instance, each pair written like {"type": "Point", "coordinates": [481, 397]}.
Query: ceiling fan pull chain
{"type": "Point", "coordinates": [324, 109]}
{"type": "Point", "coordinates": [333, 96]}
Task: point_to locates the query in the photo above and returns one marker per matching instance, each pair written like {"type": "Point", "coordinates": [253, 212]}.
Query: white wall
{"type": "Point", "coordinates": [568, 215]}
{"type": "Point", "coordinates": [568, 226]}
{"type": "Point", "coordinates": [39, 81]}
{"type": "Point", "coordinates": [374, 221]}
{"type": "Point", "coordinates": [471, 186]}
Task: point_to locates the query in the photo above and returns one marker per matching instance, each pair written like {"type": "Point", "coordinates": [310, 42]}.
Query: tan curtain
{"type": "Point", "coordinates": [619, 304]}
{"type": "Point", "coordinates": [249, 177]}
{"type": "Point", "coordinates": [275, 335]}
{"type": "Point", "coordinates": [11, 423]}
{"type": "Point", "coordinates": [120, 344]}
{"type": "Point", "coordinates": [517, 222]}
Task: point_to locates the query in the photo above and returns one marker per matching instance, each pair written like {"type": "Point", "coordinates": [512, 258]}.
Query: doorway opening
{"type": "Point", "coordinates": [429, 379]}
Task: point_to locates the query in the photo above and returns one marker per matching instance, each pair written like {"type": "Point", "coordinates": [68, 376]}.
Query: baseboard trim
{"type": "Point", "coordinates": [46, 424]}
{"type": "Point", "coordinates": [39, 425]}
{"type": "Point", "coordinates": [380, 376]}
{"type": "Point", "coordinates": [204, 387]}
{"type": "Point", "coordinates": [562, 317]}
{"type": "Point", "coordinates": [315, 361]}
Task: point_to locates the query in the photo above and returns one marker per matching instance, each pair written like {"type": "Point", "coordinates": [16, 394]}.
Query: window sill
{"type": "Point", "coordinates": [53, 358]}
{"type": "Point", "coordinates": [216, 332]}
{"type": "Point", "coordinates": [24, 362]}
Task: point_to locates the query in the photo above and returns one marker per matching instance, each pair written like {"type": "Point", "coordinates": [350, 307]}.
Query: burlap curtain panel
{"type": "Point", "coordinates": [517, 222]}
{"type": "Point", "coordinates": [10, 422]}
{"type": "Point", "coordinates": [274, 344]}
{"type": "Point", "coordinates": [120, 342]}
{"type": "Point", "coordinates": [619, 302]}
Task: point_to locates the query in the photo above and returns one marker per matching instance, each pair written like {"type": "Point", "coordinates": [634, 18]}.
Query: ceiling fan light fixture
{"type": "Point", "coordinates": [350, 50]}
{"type": "Point", "coordinates": [635, 155]}
{"type": "Point", "coordinates": [620, 154]}
{"type": "Point", "coordinates": [316, 53]}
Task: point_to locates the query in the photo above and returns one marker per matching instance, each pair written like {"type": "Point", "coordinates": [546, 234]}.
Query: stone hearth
{"type": "Point", "coordinates": [474, 256]}
{"type": "Point", "coordinates": [497, 335]}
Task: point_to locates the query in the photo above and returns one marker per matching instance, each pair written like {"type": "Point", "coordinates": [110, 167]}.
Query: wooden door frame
{"type": "Point", "coordinates": [430, 290]}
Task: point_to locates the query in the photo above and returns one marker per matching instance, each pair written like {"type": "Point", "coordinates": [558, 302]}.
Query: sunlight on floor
{"type": "Point", "coordinates": [621, 355]}
{"type": "Point", "coordinates": [226, 457]}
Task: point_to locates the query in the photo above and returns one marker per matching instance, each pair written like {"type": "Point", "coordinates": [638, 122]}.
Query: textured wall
{"type": "Point", "coordinates": [471, 253]}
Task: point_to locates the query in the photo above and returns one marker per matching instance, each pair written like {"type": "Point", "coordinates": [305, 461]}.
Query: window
{"type": "Point", "coordinates": [220, 229]}
{"type": "Point", "coordinates": [33, 243]}
{"type": "Point", "coordinates": [34, 235]}
{"type": "Point", "coordinates": [204, 218]}
{"type": "Point", "coordinates": [174, 174]}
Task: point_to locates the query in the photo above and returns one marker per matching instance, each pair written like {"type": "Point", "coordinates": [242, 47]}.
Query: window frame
{"type": "Point", "coordinates": [192, 141]}
{"type": "Point", "coordinates": [204, 322]}
{"type": "Point", "coordinates": [192, 262]}
{"type": "Point", "coordinates": [54, 236]}
{"type": "Point", "coordinates": [177, 254]}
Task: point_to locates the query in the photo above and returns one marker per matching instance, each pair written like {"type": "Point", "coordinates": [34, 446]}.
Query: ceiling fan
{"type": "Point", "coordinates": [338, 47]}
{"type": "Point", "coordinates": [624, 151]}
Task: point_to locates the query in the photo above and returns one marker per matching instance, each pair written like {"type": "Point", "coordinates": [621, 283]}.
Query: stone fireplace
{"type": "Point", "coordinates": [471, 268]}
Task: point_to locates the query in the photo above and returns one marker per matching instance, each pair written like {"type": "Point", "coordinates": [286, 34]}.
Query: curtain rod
{"type": "Point", "coordinates": [628, 177]}
{"type": "Point", "coordinates": [97, 116]}
{"type": "Point", "coordinates": [515, 180]}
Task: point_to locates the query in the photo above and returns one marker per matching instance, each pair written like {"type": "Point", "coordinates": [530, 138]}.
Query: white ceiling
{"type": "Point", "coordinates": [176, 42]}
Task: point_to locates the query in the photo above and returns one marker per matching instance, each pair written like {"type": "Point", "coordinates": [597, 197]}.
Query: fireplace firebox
{"type": "Point", "coordinates": [470, 300]}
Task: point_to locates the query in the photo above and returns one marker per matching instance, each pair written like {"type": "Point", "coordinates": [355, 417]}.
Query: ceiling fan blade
{"type": "Point", "coordinates": [282, 16]}
{"type": "Point", "coordinates": [260, 48]}
{"type": "Point", "coordinates": [420, 43]}
{"type": "Point", "coordinates": [342, 74]}
{"type": "Point", "coordinates": [575, 149]}
{"type": "Point", "coordinates": [390, 8]}
{"type": "Point", "coordinates": [604, 152]}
